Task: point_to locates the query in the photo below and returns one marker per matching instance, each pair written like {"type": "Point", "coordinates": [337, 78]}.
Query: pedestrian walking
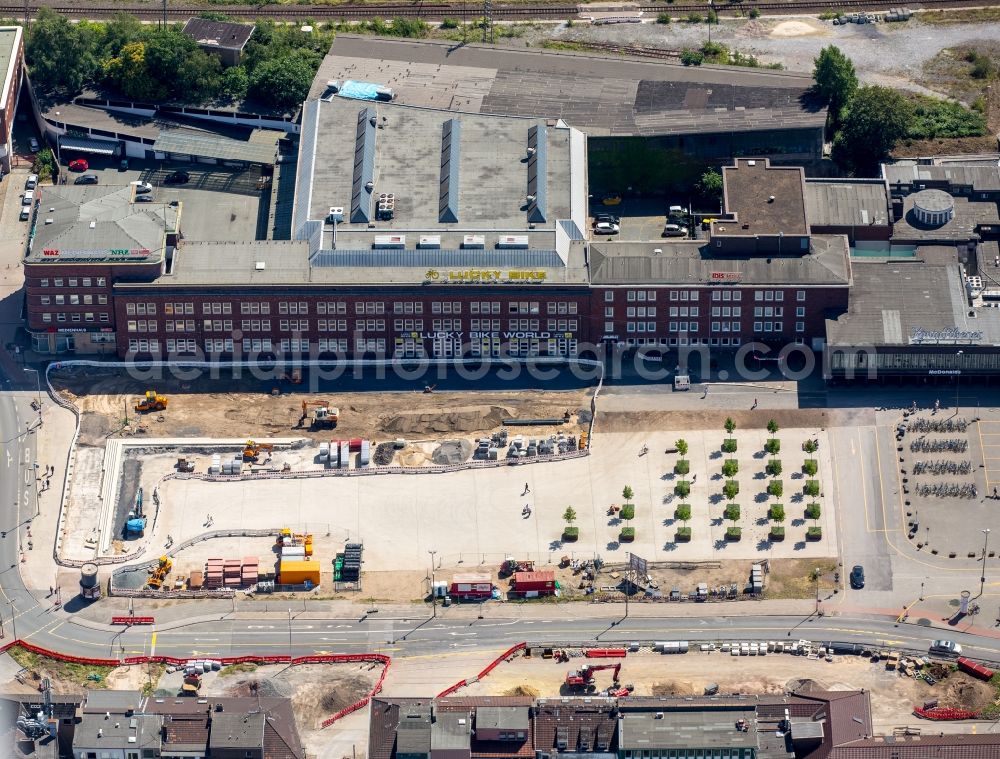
{"type": "Point", "coordinates": [937, 406]}
{"type": "Point", "coordinates": [754, 404]}
{"type": "Point", "coordinates": [995, 493]}
{"type": "Point", "coordinates": [526, 489]}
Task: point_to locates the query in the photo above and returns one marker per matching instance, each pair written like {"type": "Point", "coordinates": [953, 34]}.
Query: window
{"type": "Point", "coordinates": [102, 300]}
{"type": "Point", "coordinates": [74, 282]}
{"type": "Point", "coordinates": [609, 296]}
{"type": "Point", "coordinates": [800, 311]}
{"type": "Point", "coordinates": [43, 283]}
{"type": "Point", "coordinates": [74, 299]}
{"type": "Point", "coordinates": [800, 326]}
{"type": "Point", "coordinates": [800, 295]}
{"type": "Point", "coordinates": [57, 282]}
{"type": "Point", "coordinates": [47, 318]}
{"type": "Point", "coordinates": [105, 317]}
{"type": "Point", "coordinates": [60, 317]}
{"type": "Point", "coordinates": [60, 300]}
{"type": "Point", "coordinates": [101, 282]}
{"type": "Point", "coordinates": [757, 327]}
{"type": "Point", "coordinates": [609, 326]}
{"type": "Point", "coordinates": [89, 316]}
{"type": "Point", "coordinates": [45, 300]}
{"type": "Point", "coordinates": [88, 300]}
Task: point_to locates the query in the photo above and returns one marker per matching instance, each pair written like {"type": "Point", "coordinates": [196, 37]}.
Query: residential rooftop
{"type": "Point", "coordinates": [138, 732]}
{"type": "Point", "coordinates": [766, 200]}
{"type": "Point", "coordinates": [979, 174]}
{"type": "Point", "coordinates": [846, 203]}
{"type": "Point", "coordinates": [599, 95]}
{"type": "Point", "coordinates": [694, 263]}
{"type": "Point", "coordinates": [687, 729]}
{"type": "Point", "coordinates": [221, 34]}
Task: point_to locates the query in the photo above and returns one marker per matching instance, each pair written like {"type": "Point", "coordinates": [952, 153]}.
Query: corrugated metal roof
{"type": "Point", "coordinates": [478, 259]}
{"type": "Point", "coordinates": [538, 152]}
{"type": "Point", "coordinates": [211, 146]}
{"type": "Point", "coordinates": [88, 145]}
{"type": "Point", "coordinates": [451, 140]}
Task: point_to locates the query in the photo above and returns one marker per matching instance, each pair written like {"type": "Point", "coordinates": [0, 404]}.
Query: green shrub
{"type": "Point", "coordinates": [628, 512]}
{"type": "Point", "coordinates": [712, 48]}
{"type": "Point", "coordinates": [777, 533]}
{"type": "Point", "coordinates": [814, 511]}
{"type": "Point", "coordinates": [773, 467]}
{"type": "Point", "coordinates": [731, 489]}
{"type": "Point", "coordinates": [733, 512]}
{"type": "Point", "coordinates": [694, 18]}
{"type": "Point", "coordinates": [571, 533]}
{"type": "Point", "coordinates": [627, 535]}
{"type": "Point", "coordinates": [730, 467]}
{"type": "Point", "coordinates": [810, 446]}
{"type": "Point", "coordinates": [449, 23]}
{"type": "Point", "coordinates": [773, 446]}
{"type": "Point", "coordinates": [682, 489]}
{"type": "Point", "coordinates": [729, 425]}
{"type": "Point", "coordinates": [934, 118]}
{"type": "Point", "coordinates": [734, 533]}
{"type": "Point", "coordinates": [692, 57]}
{"type": "Point", "coordinates": [683, 512]}
{"type": "Point", "coordinates": [729, 445]}
{"type": "Point", "coordinates": [810, 467]}
{"type": "Point", "coordinates": [775, 488]}
{"type": "Point", "coordinates": [712, 17]}
{"type": "Point", "coordinates": [754, 13]}
{"type": "Point", "coordinates": [814, 533]}
{"type": "Point", "coordinates": [776, 513]}
{"type": "Point", "coordinates": [683, 466]}
{"type": "Point", "coordinates": [683, 535]}
{"type": "Point", "coordinates": [682, 446]}
{"type": "Point", "coordinates": [828, 15]}
{"type": "Point", "coordinates": [772, 427]}
{"type": "Point", "coordinates": [811, 488]}
{"type": "Point", "coordinates": [663, 18]}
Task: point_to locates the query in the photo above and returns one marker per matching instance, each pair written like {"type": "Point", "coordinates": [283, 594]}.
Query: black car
{"type": "Point", "coordinates": [610, 218]}
{"type": "Point", "coordinates": [858, 577]}
{"type": "Point", "coordinates": [177, 177]}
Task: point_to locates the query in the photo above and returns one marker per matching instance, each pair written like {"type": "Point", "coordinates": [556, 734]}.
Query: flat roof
{"type": "Point", "coordinates": [451, 730]}
{"type": "Point", "coordinates": [220, 34]}
{"type": "Point", "coordinates": [982, 176]}
{"type": "Point", "coordinates": [686, 729]}
{"type": "Point", "coordinates": [694, 263]}
{"type": "Point", "coordinates": [767, 200]}
{"type": "Point", "coordinates": [892, 303]}
{"type": "Point", "coordinates": [599, 95]}
{"type": "Point", "coordinates": [138, 732]}
{"type": "Point", "coordinates": [215, 146]}
{"type": "Point", "coordinates": [96, 223]}
{"type": "Point", "coordinates": [10, 37]}
{"type": "Point", "coordinates": [846, 202]}
{"type": "Point", "coordinates": [502, 717]}
{"type": "Point", "coordinates": [236, 731]}
{"type": "Point", "coordinates": [448, 176]}
{"type": "Point", "coordinates": [969, 214]}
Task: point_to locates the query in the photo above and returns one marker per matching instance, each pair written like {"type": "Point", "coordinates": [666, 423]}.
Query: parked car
{"type": "Point", "coordinates": [25, 213]}
{"type": "Point", "coordinates": [33, 145]}
{"type": "Point", "coordinates": [31, 182]}
{"type": "Point", "coordinates": [605, 228]}
{"type": "Point", "coordinates": [947, 647]}
{"type": "Point", "coordinates": [86, 179]}
{"type": "Point", "coordinates": [141, 188]}
{"type": "Point", "coordinates": [610, 218]}
{"type": "Point", "coordinates": [78, 165]}
{"type": "Point", "coordinates": [177, 177]}
{"type": "Point", "coordinates": [858, 577]}
{"type": "Point", "coordinates": [147, 198]}
{"type": "Point", "coordinates": [28, 198]}
{"type": "Point", "coordinates": [674, 230]}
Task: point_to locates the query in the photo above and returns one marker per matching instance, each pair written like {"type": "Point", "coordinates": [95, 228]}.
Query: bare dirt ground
{"type": "Point", "coordinates": [193, 411]}
{"type": "Point", "coordinates": [893, 696]}
{"type": "Point", "coordinates": [707, 419]}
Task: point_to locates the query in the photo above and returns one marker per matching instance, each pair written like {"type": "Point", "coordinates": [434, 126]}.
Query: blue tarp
{"type": "Point", "coordinates": [359, 90]}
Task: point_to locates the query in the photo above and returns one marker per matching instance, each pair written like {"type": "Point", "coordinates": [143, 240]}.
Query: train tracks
{"type": "Point", "coordinates": [434, 11]}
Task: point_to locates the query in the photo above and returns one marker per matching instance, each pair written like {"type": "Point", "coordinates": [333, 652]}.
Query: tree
{"type": "Point", "coordinates": [683, 512]}
{"type": "Point", "coordinates": [809, 467]}
{"type": "Point", "coordinates": [281, 82]}
{"type": "Point", "coordinates": [628, 512]}
{"type": "Point", "coordinates": [772, 427]}
{"type": "Point", "coordinates": [733, 512]}
{"type": "Point", "coordinates": [874, 121]}
{"type": "Point", "coordinates": [570, 532]}
{"type": "Point", "coordinates": [60, 55]}
{"type": "Point", "coordinates": [569, 516]}
{"type": "Point", "coordinates": [681, 446]}
{"type": "Point", "coordinates": [682, 489]}
{"type": "Point", "coordinates": [811, 488]}
{"type": "Point", "coordinates": [199, 77]}
{"type": "Point", "coordinates": [627, 493]}
{"type": "Point", "coordinates": [128, 72]}
{"type": "Point", "coordinates": [730, 425]}
{"type": "Point", "coordinates": [810, 446]}
{"type": "Point", "coordinates": [167, 50]}
{"type": "Point", "coordinates": [777, 513]}
{"type": "Point", "coordinates": [731, 488]}
{"type": "Point", "coordinates": [775, 488]}
{"type": "Point", "coordinates": [773, 467]}
{"type": "Point", "coordinates": [730, 467]}
{"type": "Point", "coordinates": [813, 511]}
{"type": "Point", "coordinates": [235, 83]}
{"type": "Point", "coordinates": [710, 187]}
{"type": "Point", "coordinates": [836, 81]}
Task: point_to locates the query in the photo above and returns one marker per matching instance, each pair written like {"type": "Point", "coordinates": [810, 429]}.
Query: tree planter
{"type": "Point", "coordinates": [683, 535]}
{"type": "Point", "coordinates": [734, 534]}
{"type": "Point", "coordinates": [777, 534]}
{"type": "Point", "coordinates": [729, 445]}
{"type": "Point", "coordinates": [814, 533]}
{"type": "Point", "coordinates": [571, 534]}
{"type": "Point", "coordinates": [627, 535]}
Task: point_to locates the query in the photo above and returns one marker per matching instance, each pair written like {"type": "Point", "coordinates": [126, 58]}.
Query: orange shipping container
{"type": "Point", "coordinates": [296, 572]}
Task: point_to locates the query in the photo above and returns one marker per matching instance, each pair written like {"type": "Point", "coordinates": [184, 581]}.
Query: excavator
{"type": "Point", "coordinates": [324, 416]}
{"type": "Point", "coordinates": [252, 449]}
{"type": "Point", "coordinates": [151, 402]}
{"type": "Point", "coordinates": [160, 572]}
{"type": "Point", "coordinates": [583, 678]}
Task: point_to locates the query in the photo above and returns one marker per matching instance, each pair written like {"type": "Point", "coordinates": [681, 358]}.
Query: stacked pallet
{"type": "Point", "coordinates": [250, 570]}
{"type": "Point", "coordinates": [213, 574]}
{"type": "Point", "coordinates": [232, 573]}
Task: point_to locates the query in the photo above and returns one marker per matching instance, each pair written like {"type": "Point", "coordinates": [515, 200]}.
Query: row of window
{"type": "Point", "coordinates": [445, 346]}
{"type": "Point", "coordinates": [75, 282]}
{"type": "Point", "coordinates": [73, 299]}
{"type": "Point", "coordinates": [717, 295]}
{"type": "Point", "coordinates": [87, 316]}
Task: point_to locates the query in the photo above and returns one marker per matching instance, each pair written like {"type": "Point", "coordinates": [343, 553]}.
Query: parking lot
{"type": "Point", "coordinates": [219, 202]}
{"type": "Point", "coordinates": [641, 219]}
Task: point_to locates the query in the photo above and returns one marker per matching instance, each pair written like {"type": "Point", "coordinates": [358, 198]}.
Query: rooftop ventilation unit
{"type": "Point", "coordinates": [336, 213]}
{"type": "Point", "coordinates": [474, 242]}
{"type": "Point", "coordinates": [389, 242]}
{"type": "Point", "coordinates": [429, 242]}
{"type": "Point", "coordinates": [259, 265]}
{"type": "Point", "coordinates": [513, 242]}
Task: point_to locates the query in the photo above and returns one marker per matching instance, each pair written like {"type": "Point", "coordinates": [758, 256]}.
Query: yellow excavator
{"type": "Point", "coordinates": [160, 572]}
{"type": "Point", "coordinates": [252, 449]}
{"type": "Point", "coordinates": [151, 402]}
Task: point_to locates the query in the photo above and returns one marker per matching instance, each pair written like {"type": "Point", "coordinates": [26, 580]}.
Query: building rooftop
{"type": "Point", "coordinates": [448, 176]}
{"type": "Point", "coordinates": [137, 732]}
{"type": "Point", "coordinates": [413, 733]}
{"type": "Point", "coordinates": [221, 34]}
{"type": "Point", "coordinates": [599, 95]}
{"type": "Point", "coordinates": [766, 200]}
{"type": "Point", "coordinates": [186, 732]}
{"type": "Point", "coordinates": [451, 730]}
{"type": "Point", "coordinates": [980, 175]}
{"type": "Point", "coordinates": [10, 40]}
{"type": "Point", "coordinates": [575, 726]}
{"type": "Point", "coordinates": [969, 214]}
{"type": "Point", "coordinates": [99, 223]}
{"type": "Point", "coordinates": [502, 717]}
{"type": "Point", "coordinates": [693, 262]}
{"type": "Point", "coordinates": [686, 729]}
{"type": "Point", "coordinates": [908, 303]}
{"type": "Point", "coordinates": [846, 203]}
{"type": "Point", "coordinates": [114, 701]}
{"type": "Point", "coordinates": [232, 730]}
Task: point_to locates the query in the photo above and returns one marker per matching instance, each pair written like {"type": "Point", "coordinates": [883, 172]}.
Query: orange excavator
{"type": "Point", "coordinates": [252, 450]}
{"type": "Point", "coordinates": [583, 678]}
{"type": "Point", "coordinates": [324, 416]}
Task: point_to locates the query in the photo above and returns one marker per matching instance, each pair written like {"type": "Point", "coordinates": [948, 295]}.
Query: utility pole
{"type": "Point", "coordinates": [434, 604]}
{"type": "Point", "coordinates": [488, 21]}
{"type": "Point", "coordinates": [982, 579]}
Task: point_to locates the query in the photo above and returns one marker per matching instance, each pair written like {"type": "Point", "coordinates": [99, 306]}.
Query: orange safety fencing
{"type": "Point", "coordinates": [489, 668]}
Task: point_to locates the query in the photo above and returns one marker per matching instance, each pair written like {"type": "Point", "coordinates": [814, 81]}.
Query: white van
{"type": "Point", "coordinates": [682, 382]}
{"type": "Point", "coordinates": [28, 198]}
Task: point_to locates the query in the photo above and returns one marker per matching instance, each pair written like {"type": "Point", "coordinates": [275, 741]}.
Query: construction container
{"type": "Point", "coordinates": [531, 584]}
{"type": "Point", "coordinates": [196, 580]}
{"type": "Point", "coordinates": [293, 552]}
{"type": "Point", "coordinates": [345, 454]}
{"type": "Point", "coordinates": [366, 453]}
{"type": "Point", "coordinates": [471, 587]}
{"type": "Point", "coordinates": [298, 571]}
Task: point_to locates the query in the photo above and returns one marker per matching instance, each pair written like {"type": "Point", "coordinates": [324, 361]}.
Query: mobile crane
{"type": "Point", "coordinates": [583, 678]}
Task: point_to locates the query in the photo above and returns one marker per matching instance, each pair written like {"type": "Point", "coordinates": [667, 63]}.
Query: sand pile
{"type": "Point", "coordinates": [460, 419]}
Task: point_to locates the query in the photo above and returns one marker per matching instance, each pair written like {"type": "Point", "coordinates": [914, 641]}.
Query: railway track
{"type": "Point", "coordinates": [433, 11]}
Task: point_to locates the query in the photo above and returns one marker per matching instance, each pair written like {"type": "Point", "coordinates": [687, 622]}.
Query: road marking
{"type": "Point", "coordinates": [152, 646]}
{"type": "Point", "coordinates": [9, 459]}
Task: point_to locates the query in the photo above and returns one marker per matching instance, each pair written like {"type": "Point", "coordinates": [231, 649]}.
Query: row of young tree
{"type": "Point", "coordinates": [162, 64]}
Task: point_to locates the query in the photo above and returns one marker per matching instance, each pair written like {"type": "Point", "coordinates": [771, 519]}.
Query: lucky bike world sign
{"type": "Point", "coordinates": [488, 276]}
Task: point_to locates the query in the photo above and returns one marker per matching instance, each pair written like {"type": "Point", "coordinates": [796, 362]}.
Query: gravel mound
{"type": "Point", "coordinates": [461, 419]}
{"type": "Point", "coordinates": [452, 452]}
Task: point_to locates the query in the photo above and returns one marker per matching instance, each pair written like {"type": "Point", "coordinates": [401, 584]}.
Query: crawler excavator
{"type": "Point", "coordinates": [583, 679]}
{"type": "Point", "coordinates": [252, 449]}
{"type": "Point", "coordinates": [324, 416]}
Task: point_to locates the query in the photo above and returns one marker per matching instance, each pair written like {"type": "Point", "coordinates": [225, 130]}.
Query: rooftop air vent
{"type": "Point", "coordinates": [259, 265]}
{"type": "Point", "coordinates": [770, 198]}
{"type": "Point", "coordinates": [93, 225]}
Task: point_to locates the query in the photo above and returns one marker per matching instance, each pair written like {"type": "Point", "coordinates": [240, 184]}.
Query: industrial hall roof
{"type": "Point", "coordinates": [598, 95]}
{"type": "Point", "coordinates": [207, 145]}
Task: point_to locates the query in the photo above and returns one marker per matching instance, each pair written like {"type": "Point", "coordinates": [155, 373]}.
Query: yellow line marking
{"type": "Point", "coordinates": [982, 446]}
{"type": "Point", "coordinates": [152, 646]}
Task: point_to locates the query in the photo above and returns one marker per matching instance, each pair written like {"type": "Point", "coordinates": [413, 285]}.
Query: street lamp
{"type": "Point", "coordinates": [982, 579]}
{"type": "Point", "coordinates": [13, 618]}
{"type": "Point", "coordinates": [289, 636]}
{"type": "Point", "coordinates": [958, 377]}
{"type": "Point", "coordinates": [434, 604]}
{"type": "Point", "coordinates": [38, 391]}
